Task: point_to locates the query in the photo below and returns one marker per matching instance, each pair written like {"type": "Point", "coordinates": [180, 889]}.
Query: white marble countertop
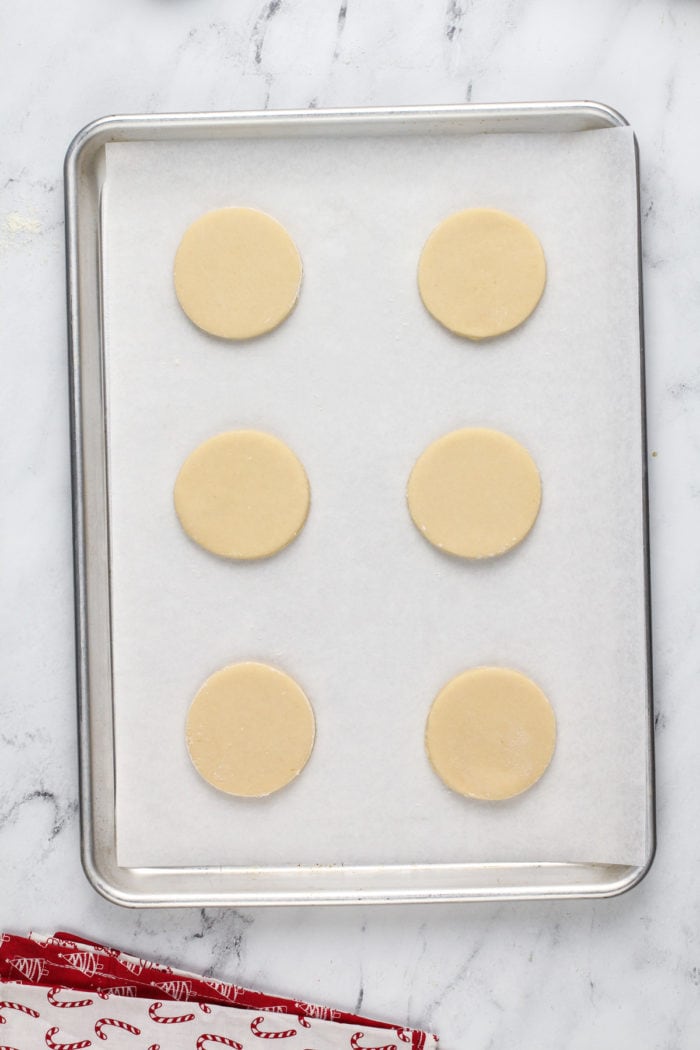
{"type": "Point", "coordinates": [611, 974]}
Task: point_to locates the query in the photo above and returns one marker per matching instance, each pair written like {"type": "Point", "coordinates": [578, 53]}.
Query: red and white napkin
{"type": "Point", "coordinates": [65, 993]}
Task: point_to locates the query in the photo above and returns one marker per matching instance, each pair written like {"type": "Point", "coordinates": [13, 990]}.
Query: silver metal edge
{"type": "Point", "coordinates": [71, 174]}
{"type": "Point", "coordinates": [112, 893]}
{"type": "Point", "coordinates": [117, 127]}
{"type": "Point", "coordinates": [640, 873]}
{"type": "Point", "coordinates": [114, 128]}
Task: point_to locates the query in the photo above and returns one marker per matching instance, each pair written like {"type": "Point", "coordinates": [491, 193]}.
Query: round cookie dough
{"type": "Point", "coordinates": [242, 495]}
{"type": "Point", "coordinates": [474, 493]}
{"type": "Point", "coordinates": [250, 730]}
{"type": "Point", "coordinates": [237, 273]}
{"type": "Point", "coordinates": [490, 733]}
{"type": "Point", "coordinates": [481, 273]}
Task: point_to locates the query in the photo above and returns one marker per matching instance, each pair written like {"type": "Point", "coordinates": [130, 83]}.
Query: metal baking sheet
{"type": "Point", "coordinates": [99, 569]}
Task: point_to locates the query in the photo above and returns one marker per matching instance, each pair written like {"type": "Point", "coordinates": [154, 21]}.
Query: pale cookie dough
{"type": "Point", "coordinates": [481, 273]}
{"type": "Point", "coordinates": [242, 495]}
{"type": "Point", "coordinates": [474, 493]}
{"type": "Point", "coordinates": [250, 730]}
{"type": "Point", "coordinates": [490, 733]}
{"type": "Point", "coordinates": [237, 273]}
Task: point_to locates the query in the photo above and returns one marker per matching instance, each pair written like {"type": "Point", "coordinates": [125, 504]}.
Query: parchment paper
{"type": "Point", "coordinates": [369, 618]}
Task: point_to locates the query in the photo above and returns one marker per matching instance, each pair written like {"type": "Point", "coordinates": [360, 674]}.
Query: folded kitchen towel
{"type": "Point", "coordinates": [66, 993]}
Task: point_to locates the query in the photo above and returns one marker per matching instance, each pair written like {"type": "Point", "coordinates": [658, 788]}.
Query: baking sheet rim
{"type": "Point", "coordinates": [185, 886]}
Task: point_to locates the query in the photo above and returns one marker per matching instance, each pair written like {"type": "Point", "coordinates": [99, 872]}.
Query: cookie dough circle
{"type": "Point", "coordinates": [242, 495]}
{"type": "Point", "coordinates": [474, 493]}
{"type": "Point", "coordinates": [482, 273]}
{"type": "Point", "coordinates": [237, 273]}
{"type": "Point", "coordinates": [250, 730]}
{"type": "Point", "coordinates": [490, 733]}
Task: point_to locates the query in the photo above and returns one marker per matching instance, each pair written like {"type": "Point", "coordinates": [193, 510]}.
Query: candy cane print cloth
{"type": "Point", "coordinates": [67, 959]}
{"type": "Point", "coordinates": [34, 1016]}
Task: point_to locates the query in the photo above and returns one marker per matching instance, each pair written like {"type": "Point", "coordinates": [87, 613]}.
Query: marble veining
{"type": "Point", "coordinates": [610, 974]}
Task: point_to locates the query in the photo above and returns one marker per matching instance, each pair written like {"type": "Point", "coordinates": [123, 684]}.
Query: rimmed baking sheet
{"type": "Point", "coordinates": [368, 618]}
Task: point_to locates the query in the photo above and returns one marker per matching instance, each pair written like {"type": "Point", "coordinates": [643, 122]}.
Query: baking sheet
{"type": "Point", "coordinates": [360, 610]}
